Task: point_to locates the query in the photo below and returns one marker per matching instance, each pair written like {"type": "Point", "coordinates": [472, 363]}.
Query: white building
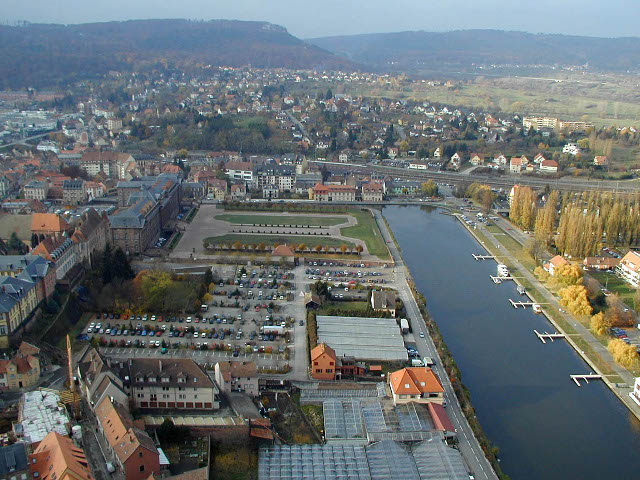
{"type": "Point", "coordinates": [629, 268]}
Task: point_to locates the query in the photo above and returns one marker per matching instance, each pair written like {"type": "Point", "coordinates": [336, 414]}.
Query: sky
{"type": "Point", "coordinates": [320, 18]}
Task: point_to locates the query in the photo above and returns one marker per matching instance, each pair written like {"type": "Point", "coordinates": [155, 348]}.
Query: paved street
{"type": "Point", "coordinates": [469, 446]}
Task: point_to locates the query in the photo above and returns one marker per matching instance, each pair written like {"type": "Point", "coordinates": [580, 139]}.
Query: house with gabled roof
{"type": "Point", "coordinates": [416, 384]}
{"type": "Point", "coordinates": [57, 457]}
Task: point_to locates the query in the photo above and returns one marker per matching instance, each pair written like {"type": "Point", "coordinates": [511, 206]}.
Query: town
{"type": "Point", "coordinates": [198, 280]}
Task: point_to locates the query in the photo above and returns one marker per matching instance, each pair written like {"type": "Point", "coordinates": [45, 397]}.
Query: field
{"type": "Point", "coordinates": [367, 230]}
{"type": "Point", "coordinates": [603, 103]}
{"type": "Point", "coordinates": [282, 220]}
{"type": "Point", "coordinates": [616, 285]}
{"type": "Point", "coordinates": [309, 240]}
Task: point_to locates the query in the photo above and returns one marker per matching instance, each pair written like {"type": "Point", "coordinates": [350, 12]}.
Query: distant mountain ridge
{"type": "Point", "coordinates": [49, 54]}
{"type": "Point", "coordinates": [462, 48]}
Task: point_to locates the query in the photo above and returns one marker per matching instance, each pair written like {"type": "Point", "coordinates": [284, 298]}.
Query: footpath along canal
{"type": "Point", "coordinates": [545, 426]}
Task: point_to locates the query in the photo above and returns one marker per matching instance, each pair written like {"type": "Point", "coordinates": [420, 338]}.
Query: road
{"type": "Point", "coordinates": [468, 444]}
{"type": "Point", "coordinates": [299, 125]}
{"type": "Point", "coordinates": [24, 140]}
{"type": "Point", "coordinates": [505, 182]}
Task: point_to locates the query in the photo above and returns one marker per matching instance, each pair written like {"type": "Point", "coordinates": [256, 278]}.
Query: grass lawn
{"type": "Point", "coordinates": [616, 285]}
{"type": "Point", "coordinates": [191, 215]}
{"type": "Point", "coordinates": [367, 230]}
{"type": "Point", "coordinates": [275, 219]}
{"type": "Point", "coordinates": [175, 240]}
{"type": "Point", "coordinates": [359, 307]}
{"type": "Point", "coordinates": [309, 240]}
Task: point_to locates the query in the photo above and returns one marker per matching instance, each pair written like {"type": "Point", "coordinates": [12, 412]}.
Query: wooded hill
{"type": "Point", "coordinates": [36, 55]}
{"type": "Point", "coordinates": [464, 49]}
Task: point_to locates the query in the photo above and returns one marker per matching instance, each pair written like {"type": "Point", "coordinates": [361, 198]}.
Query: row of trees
{"type": "Point", "coordinates": [301, 248]}
{"type": "Point", "coordinates": [583, 221]}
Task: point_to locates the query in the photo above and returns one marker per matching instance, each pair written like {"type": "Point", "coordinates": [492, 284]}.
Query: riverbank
{"type": "Point", "coordinates": [585, 349]}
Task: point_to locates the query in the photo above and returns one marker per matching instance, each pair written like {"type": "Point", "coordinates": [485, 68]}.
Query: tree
{"type": "Point", "coordinates": [359, 249]}
{"type": "Point", "coordinates": [106, 265]}
{"type": "Point", "coordinates": [34, 240]}
{"type": "Point", "coordinates": [568, 275]}
{"type": "Point", "coordinates": [343, 248]}
{"type": "Point", "coordinates": [575, 298]}
{"type": "Point", "coordinates": [329, 94]}
{"type": "Point", "coordinates": [302, 247]}
{"type": "Point", "coordinates": [121, 267]}
{"type": "Point", "coordinates": [535, 248]}
{"type": "Point", "coordinates": [636, 299]}
{"type": "Point", "coordinates": [318, 248]}
{"type": "Point", "coordinates": [625, 355]}
{"type": "Point", "coordinates": [429, 188]}
{"type": "Point", "coordinates": [600, 324]}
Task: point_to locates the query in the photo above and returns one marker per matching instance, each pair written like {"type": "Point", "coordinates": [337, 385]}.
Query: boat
{"type": "Point", "coordinates": [521, 290]}
{"type": "Point", "coordinates": [503, 271]}
{"type": "Point", "coordinates": [537, 308]}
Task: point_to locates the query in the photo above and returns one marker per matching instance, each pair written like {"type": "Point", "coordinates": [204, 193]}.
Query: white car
{"type": "Point", "coordinates": [421, 334]}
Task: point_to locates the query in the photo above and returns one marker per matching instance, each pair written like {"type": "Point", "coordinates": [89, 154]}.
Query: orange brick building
{"type": "Point", "coordinates": [323, 362]}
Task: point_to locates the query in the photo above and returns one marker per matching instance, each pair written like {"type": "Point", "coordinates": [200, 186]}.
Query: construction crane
{"type": "Point", "coordinates": [71, 396]}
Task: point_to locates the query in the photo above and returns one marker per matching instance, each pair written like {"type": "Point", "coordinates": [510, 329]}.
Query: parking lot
{"type": "Point", "coordinates": [250, 315]}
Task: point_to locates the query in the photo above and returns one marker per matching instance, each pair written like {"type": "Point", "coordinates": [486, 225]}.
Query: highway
{"type": "Point", "coordinates": [26, 139]}
{"type": "Point", "coordinates": [505, 182]}
{"type": "Point", "coordinates": [468, 444]}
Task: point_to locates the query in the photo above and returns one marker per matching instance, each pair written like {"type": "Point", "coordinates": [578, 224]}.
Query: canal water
{"type": "Point", "coordinates": [544, 425]}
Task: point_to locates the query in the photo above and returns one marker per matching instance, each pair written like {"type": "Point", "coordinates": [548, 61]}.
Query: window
{"type": "Point", "coordinates": [181, 380]}
{"type": "Point", "coordinates": [329, 370]}
{"type": "Point", "coordinates": [165, 380]}
{"type": "Point", "coordinates": [195, 380]}
{"type": "Point", "coordinates": [315, 363]}
{"type": "Point", "coordinates": [318, 370]}
{"type": "Point", "coordinates": [140, 455]}
{"type": "Point", "coordinates": [141, 466]}
{"type": "Point", "coordinates": [331, 363]}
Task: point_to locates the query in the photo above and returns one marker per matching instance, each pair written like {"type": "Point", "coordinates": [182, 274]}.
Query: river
{"type": "Point", "coordinates": [544, 425]}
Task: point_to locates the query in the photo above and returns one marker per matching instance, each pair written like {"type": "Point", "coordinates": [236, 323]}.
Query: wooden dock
{"type": "Point", "coordinates": [499, 279]}
{"type": "Point", "coordinates": [548, 336]}
{"type": "Point", "coordinates": [525, 304]}
{"type": "Point", "coordinates": [483, 257]}
{"type": "Point", "coordinates": [585, 378]}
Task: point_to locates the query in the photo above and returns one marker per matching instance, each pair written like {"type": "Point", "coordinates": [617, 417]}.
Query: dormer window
{"type": "Point", "coordinates": [139, 379]}
{"type": "Point", "coordinates": [181, 380]}
{"type": "Point", "coordinates": [152, 379]}
{"type": "Point", "coordinates": [165, 379]}
{"type": "Point", "coordinates": [195, 380]}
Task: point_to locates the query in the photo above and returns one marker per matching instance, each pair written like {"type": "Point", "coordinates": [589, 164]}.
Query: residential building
{"type": "Point", "coordinates": [237, 377]}
{"type": "Point", "coordinates": [538, 123]}
{"type": "Point", "coordinates": [282, 176]}
{"type": "Point", "coordinates": [629, 268]}
{"type": "Point", "coordinates": [384, 301]}
{"type": "Point", "coordinates": [114, 124]}
{"type": "Point", "coordinates": [270, 191]}
{"type": "Point", "coordinates": [600, 160]}
{"type": "Point", "coordinates": [415, 384]}
{"type": "Point", "coordinates": [600, 263]}
{"type": "Point", "coordinates": [113, 164]}
{"type": "Point", "coordinates": [554, 263]}
{"type": "Point", "coordinates": [61, 251]}
{"type": "Point", "coordinates": [372, 192]}
{"type": "Point", "coordinates": [323, 362]}
{"type": "Point", "coordinates": [238, 192]}
{"type": "Point", "coordinates": [73, 192]}
{"type": "Point", "coordinates": [477, 159]}
{"type": "Point", "coordinates": [95, 190]}
{"type": "Point", "coordinates": [18, 300]}
{"type": "Point", "coordinates": [98, 381]}
{"type": "Point", "coordinates": [57, 457]}
{"type": "Point", "coordinates": [515, 166]}
{"type": "Point", "coordinates": [178, 384]}
{"type": "Point", "coordinates": [21, 371]}
{"type": "Point", "coordinates": [216, 188]}
{"type": "Point", "coordinates": [240, 171]}
{"type": "Point", "coordinates": [31, 267]}
{"type": "Point", "coordinates": [333, 193]}
{"type": "Point", "coordinates": [14, 464]}
{"type": "Point", "coordinates": [36, 190]}
{"type": "Point", "coordinates": [134, 451]}
{"type": "Point", "coordinates": [548, 166]}
{"type": "Point", "coordinates": [406, 187]}
{"type": "Point", "coordinates": [571, 149]}
{"type": "Point", "coordinates": [456, 161]}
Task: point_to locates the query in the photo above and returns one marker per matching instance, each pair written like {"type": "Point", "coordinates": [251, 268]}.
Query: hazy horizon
{"type": "Point", "coordinates": [335, 17]}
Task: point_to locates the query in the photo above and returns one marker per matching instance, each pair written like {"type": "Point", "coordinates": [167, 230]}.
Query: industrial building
{"type": "Point", "coordinates": [363, 338]}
